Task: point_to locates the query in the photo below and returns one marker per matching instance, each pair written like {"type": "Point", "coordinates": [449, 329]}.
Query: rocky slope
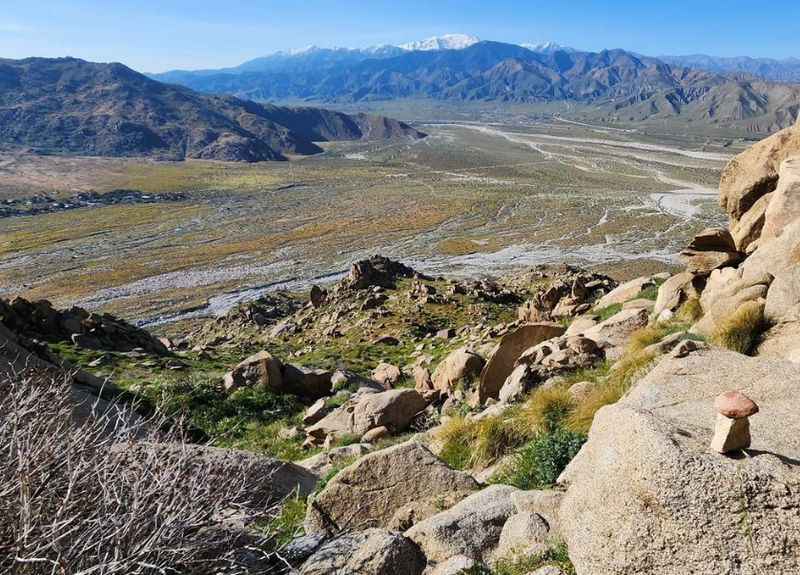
{"type": "Point", "coordinates": [553, 422]}
{"type": "Point", "coordinates": [73, 106]}
{"type": "Point", "coordinates": [621, 84]}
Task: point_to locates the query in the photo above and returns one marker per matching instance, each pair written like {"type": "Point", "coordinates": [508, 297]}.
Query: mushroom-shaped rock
{"type": "Point", "coordinates": [732, 429]}
{"type": "Point", "coordinates": [735, 404]}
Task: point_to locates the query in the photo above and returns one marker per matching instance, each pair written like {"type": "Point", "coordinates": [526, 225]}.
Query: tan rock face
{"type": "Point", "coordinates": [710, 249]}
{"type": "Point", "coordinates": [675, 291]}
{"type": "Point", "coordinates": [369, 492]}
{"type": "Point", "coordinates": [725, 292]}
{"type": "Point", "coordinates": [459, 366]}
{"type": "Point", "coordinates": [504, 357]}
{"type": "Point", "coordinates": [624, 292]}
{"type": "Point", "coordinates": [754, 172]}
{"type": "Point", "coordinates": [647, 458]}
{"type": "Point", "coordinates": [784, 207]}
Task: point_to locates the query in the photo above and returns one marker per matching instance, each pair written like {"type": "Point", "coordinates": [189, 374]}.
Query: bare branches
{"type": "Point", "coordinates": [102, 495]}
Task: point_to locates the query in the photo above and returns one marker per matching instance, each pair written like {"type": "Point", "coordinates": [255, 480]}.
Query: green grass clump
{"type": "Point", "coordinates": [609, 311]}
{"type": "Point", "coordinates": [544, 410]}
{"type": "Point", "coordinates": [740, 331]}
{"type": "Point", "coordinates": [289, 523]}
{"type": "Point", "coordinates": [539, 463]}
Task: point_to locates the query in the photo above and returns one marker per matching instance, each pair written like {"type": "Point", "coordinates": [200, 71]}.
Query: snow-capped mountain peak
{"type": "Point", "coordinates": [544, 47]}
{"type": "Point", "coordinates": [446, 42]}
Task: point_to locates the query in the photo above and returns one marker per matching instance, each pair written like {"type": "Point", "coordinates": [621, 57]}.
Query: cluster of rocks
{"type": "Point", "coordinates": [401, 510]}
{"type": "Point", "coordinates": [39, 320]}
{"type": "Point", "coordinates": [751, 264]}
{"type": "Point", "coordinates": [263, 312]}
{"type": "Point", "coordinates": [567, 292]}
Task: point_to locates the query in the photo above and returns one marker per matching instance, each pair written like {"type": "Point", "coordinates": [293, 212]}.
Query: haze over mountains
{"type": "Point", "coordinates": [69, 105]}
{"type": "Point", "coordinates": [621, 84]}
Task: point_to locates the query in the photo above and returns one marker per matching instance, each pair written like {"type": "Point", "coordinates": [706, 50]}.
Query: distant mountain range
{"type": "Point", "coordinates": [619, 84]}
{"type": "Point", "coordinates": [787, 70]}
{"type": "Point", "coordinates": [74, 106]}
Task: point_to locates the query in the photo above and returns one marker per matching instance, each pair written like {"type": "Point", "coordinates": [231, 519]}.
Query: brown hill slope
{"type": "Point", "coordinates": [69, 105]}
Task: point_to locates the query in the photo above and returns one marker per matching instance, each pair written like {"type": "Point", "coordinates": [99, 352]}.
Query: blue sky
{"type": "Point", "coordinates": [156, 35]}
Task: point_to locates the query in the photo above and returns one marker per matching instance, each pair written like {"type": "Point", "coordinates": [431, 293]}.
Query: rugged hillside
{"type": "Point", "coordinates": [73, 106]}
{"type": "Point", "coordinates": [557, 424]}
{"type": "Point", "coordinates": [618, 82]}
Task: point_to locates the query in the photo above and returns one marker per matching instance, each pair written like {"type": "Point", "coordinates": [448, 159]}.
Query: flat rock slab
{"type": "Point", "coordinates": [646, 495]}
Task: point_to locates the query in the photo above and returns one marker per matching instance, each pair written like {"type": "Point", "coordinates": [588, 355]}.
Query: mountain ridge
{"type": "Point", "coordinates": [619, 83]}
{"type": "Point", "coordinates": [73, 106]}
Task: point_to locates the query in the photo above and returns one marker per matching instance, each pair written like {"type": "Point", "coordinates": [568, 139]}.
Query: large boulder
{"type": "Point", "coordinates": [305, 382]}
{"type": "Point", "coordinates": [264, 479]}
{"type": "Point", "coordinates": [612, 334]}
{"type": "Point", "coordinates": [645, 495]}
{"type": "Point", "coordinates": [676, 291]}
{"type": "Point", "coordinates": [754, 172]}
{"type": "Point", "coordinates": [506, 353]}
{"type": "Point", "coordinates": [784, 207]}
{"type": "Point", "coordinates": [369, 492]}
{"type": "Point", "coordinates": [460, 366]}
{"type": "Point", "coordinates": [260, 369]}
{"type": "Point", "coordinates": [369, 552]}
{"type": "Point", "coordinates": [471, 528]}
{"type": "Point", "coordinates": [725, 292]}
{"type": "Point", "coordinates": [712, 248]}
{"type": "Point", "coordinates": [393, 409]}
{"type": "Point", "coordinates": [387, 375]}
{"type": "Point", "coordinates": [624, 292]}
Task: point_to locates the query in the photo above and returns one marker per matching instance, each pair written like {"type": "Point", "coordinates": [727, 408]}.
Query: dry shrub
{"type": "Point", "coordinates": [75, 497]}
{"type": "Point", "coordinates": [741, 329]}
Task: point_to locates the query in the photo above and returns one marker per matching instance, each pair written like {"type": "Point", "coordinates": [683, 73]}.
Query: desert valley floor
{"type": "Point", "coordinates": [193, 238]}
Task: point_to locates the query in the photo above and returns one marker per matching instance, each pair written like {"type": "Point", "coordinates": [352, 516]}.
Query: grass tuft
{"type": "Point", "coordinates": [619, 380]}
{"type": "Point", "coordinates": [739, 332]}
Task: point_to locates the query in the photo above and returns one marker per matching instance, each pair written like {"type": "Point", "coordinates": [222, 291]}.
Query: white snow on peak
{"type": "Point", "coordinates": [446, 42]}
{"type": "Point", "coordinates": [545, 47]}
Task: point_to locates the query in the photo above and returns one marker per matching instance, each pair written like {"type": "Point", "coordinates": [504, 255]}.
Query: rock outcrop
{"type": "Point", "coordinates": [368, 552]}
{"type": "Point", "coordinates": [471, 528]}
{"type": "Point", "coordinates": [648, 458]}
{"type": "Point", "coordinates": [504, 357]}
{"type": "Point", "coordinates": [369, 492]}
{"type": "Point", "coordinates": [40, 320]}
{"type": "Point", "coordinates": [393, 409]}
